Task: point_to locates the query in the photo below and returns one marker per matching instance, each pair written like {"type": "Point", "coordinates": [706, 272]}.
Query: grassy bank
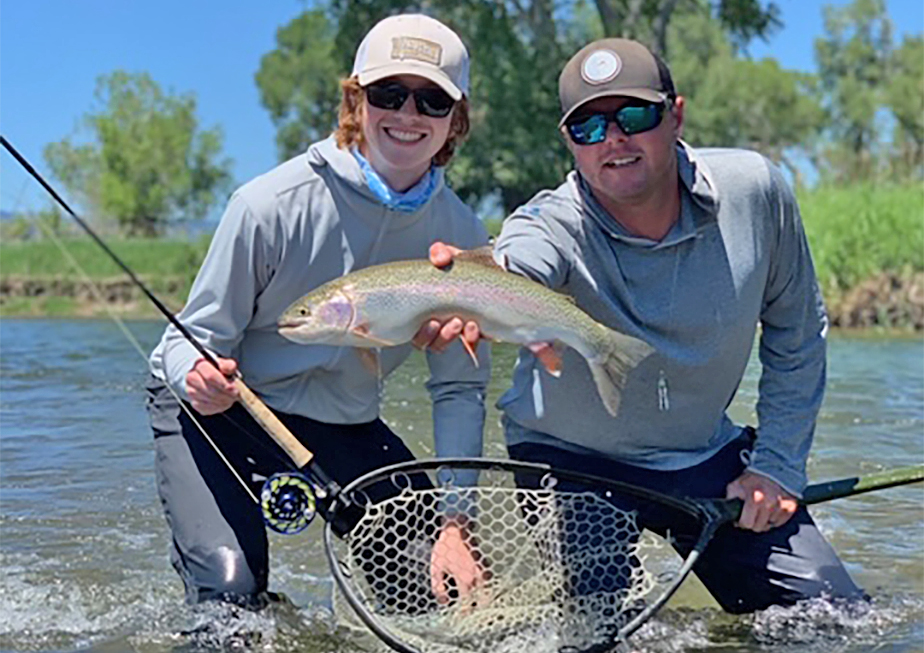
{"type": "Point", "coordinates": [36, 279]}
{"type": "Point", "coordinates": [858, 233]}
{"type": "Point", "coordinates": [868, 246]}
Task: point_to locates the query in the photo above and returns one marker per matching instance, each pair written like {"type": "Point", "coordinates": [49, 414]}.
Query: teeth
{"type": "Point", "coordinates": [622, 162]}
{"type": "Point", "coordinates": [405, 136]}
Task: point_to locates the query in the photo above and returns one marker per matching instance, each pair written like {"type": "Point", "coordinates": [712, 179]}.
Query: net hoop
{"type": "Point", "coordinates": [711, 514]}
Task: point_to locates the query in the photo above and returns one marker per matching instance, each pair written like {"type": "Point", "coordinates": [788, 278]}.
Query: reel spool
{"type": "Point", "coordinates": [288, 503]}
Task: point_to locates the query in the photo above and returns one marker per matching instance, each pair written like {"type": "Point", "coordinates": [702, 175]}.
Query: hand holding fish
{"type": "Point", "coordinates": [210, 391]}
{"type": "Point", "coordinates": [436, 335]}
{"type": "Point", "coordinates": [384, 306]}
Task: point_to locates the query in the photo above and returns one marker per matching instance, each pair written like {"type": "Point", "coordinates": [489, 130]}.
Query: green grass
{"type": "Point", "coordinates": [856, 233]}
{"type": "Point", "coordinates": [42, 258]}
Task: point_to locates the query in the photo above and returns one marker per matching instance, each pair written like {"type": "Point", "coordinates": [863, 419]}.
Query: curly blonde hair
{"type": "Point", "coordinates": [350, 132]}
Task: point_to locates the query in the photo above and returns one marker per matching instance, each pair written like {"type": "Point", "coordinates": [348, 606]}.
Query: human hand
{"type": "Point", "coordinates": [437, 335]}
{"type": "Point", "coordinates": [452, 558]}
{"type": "Point", "coordinates": [212, 391]}
{"type": "Point", "coordinates": [766, 504]}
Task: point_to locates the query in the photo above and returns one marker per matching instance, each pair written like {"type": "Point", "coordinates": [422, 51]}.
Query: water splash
{"type": "Point", "coordinates": [825, 625]}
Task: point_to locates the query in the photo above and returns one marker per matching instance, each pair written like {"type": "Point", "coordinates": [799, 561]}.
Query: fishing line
{"type": "Point", "coordinates": [163, 309]}
{"type": "Point", "coordinates": [128, 334]}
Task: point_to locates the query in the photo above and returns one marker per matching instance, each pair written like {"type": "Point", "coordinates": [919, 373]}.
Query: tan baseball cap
{"type": "Point", "coordinates": [414, 44]}
{"type": "Point", "coordinates": [612, 67]}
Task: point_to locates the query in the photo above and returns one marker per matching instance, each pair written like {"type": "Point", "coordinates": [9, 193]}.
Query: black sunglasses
{"type": "Point", "coordinates": [632, 119]}
{"type": "Point", "coordinates": [430, 100]}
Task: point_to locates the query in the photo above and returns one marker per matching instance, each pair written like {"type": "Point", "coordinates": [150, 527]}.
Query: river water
{"type": "Point", "coordinates": [83, 544]}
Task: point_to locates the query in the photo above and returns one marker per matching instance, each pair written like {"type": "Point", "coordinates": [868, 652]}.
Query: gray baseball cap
{"type": "Point", "coordinates": [612, 67]}
{"type": "Point", "coordinates": [414, 44]}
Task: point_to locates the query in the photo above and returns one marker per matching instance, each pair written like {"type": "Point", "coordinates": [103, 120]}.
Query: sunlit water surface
{"type": "Point", "coordinates": [83, 544]}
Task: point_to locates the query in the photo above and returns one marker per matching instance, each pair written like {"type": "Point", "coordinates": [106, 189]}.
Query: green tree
{"type": "Point", "coordinates": [147, 164]}
{"type": "Point", "coordinates": [649, 21]}
{"type": "Point", "coordinates": [298, 82]}
{"type": "Point", "coordinates": [735, 102]}
{"type": "Point", "coordinates": [904, 95]}
{"type": "Point", "coordinates": [518, 48]}
{"type": "Point", "coordinates": [853, 59]}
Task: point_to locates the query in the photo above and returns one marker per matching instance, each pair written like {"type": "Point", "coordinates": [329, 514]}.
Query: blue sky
{"type": "Point", "coordinates": [52, 51]}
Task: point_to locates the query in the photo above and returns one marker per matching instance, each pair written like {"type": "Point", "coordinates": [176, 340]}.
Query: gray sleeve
{"type": "Point", "coordinates": [528, 246]}
{"type": "Point", "coordinates": [792, 348]}
{"type": "Point", "coordinates": [221, 301]}
{"type": "Point", "coordinates": [458, 388]}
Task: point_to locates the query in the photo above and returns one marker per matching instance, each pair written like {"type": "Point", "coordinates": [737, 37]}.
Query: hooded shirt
{"type": "Point", "coordinates": [308, 221]}
{"type": "Point", "coordinates": [737, 257]}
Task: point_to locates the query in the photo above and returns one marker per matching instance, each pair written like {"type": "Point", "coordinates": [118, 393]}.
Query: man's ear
{"type": "Point", "coordinates": [677, 111]}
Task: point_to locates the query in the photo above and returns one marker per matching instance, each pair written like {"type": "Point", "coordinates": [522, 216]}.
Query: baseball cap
{"type": "Point", "coordinates": [414, 44]}
{"type": "Point", "coordinates": [612, 67]}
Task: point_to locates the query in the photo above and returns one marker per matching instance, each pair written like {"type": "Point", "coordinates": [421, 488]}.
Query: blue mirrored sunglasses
{"type": "Point", "coordinates": [632, 119]}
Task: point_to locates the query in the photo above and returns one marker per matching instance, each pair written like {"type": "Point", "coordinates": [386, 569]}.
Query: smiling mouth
{"type": "Point", "coordinates": [622, 162]}
{"type": "Point", "coordinates": [403, 135]}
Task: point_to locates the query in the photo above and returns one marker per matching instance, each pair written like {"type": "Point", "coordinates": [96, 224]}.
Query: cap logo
{"type": "Point", "coordinates": [409, 47]}
{"type": "Point", "coordinates": [601, 66]}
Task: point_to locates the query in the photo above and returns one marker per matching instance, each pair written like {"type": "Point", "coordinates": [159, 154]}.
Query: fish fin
{"type": "Point", "coordinates": [471, 352]}
{"type": "Point", "coordinates": [480, 255]}
{"type": "Point", "coordinates": [620, 354]}
{"type": "Point", "coordinates": [370, 360]}
{"type": "Point", "coordinates": [549, 354]}
{"type": "Point", "coordinates": [362, 331]}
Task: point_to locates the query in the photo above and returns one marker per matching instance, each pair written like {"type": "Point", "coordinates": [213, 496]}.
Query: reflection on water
{"type": "Point", "coordinates": [83, 544]}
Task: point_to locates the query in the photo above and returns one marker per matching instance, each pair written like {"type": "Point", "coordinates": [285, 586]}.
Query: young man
{"type": "Point", "coordinates": [688, 250]}
{"type": "Point", "coordinates": [371, 193]}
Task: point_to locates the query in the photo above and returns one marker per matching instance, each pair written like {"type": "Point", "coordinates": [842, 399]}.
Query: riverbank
{"type": "Point", "coordinates": [884, 301]}
{"type": "Point", "coordinates": [867, 243]}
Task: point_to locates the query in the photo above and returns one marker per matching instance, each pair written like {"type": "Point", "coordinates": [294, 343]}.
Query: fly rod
{"type": "Point", "coordinates": [297, 452]}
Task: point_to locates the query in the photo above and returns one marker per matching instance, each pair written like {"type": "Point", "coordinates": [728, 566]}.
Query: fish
{"type": "Point", "coordinates": [385, 305]}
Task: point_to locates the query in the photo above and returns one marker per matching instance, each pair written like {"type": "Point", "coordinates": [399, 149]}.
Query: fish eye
{"type": "Point", "coordinates": [304, 312]}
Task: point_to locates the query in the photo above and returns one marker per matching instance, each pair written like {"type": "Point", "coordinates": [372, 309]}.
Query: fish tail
{"type": "Point", "coordinates": [617, 355]}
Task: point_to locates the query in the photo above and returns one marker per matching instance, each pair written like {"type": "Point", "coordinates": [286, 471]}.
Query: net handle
{"type": "Point", "coordinates": [714, 513]}
{"type": "Point", "coordinates": [847, 487]}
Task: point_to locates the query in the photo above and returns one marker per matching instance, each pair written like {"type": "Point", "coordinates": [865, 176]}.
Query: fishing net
{"type": "Point", "coordinates": [561, 565]}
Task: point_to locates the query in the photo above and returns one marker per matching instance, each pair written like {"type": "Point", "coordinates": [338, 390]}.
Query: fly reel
{"type": "Point", "coordinates": [288, 503]}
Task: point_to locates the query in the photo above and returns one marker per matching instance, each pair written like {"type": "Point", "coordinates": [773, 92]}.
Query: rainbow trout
{"type": "Point", "coordinates": [385, 305]}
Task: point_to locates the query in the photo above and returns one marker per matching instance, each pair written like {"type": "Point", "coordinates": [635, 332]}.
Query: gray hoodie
{"type": "Point", "coordinates": [307, 221]}
{"type": "Point", "coordinates": [737, 257]}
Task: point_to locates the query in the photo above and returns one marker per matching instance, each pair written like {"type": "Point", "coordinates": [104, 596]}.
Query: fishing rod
{"type": "Point", "coordinates": [288, 499]}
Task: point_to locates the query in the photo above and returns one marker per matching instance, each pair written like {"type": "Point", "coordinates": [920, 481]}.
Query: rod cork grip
{"type": "Point", "coordinates": [277, 430]}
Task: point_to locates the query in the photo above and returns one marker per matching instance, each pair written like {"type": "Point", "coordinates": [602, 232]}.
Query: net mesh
{"type": "Point", "coordinates": [565, 568]}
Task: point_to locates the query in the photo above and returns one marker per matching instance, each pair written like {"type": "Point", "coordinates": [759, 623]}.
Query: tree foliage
{"type": "Point", "coordinates": [649, 21]}
{"type": "Point", "coordinates": [736, 102]}
{"type": "Point", "coordinates": [147, 163]}
{"type": "Point", "coordinates": [298, 82]}
{"type": "Point", "coordinates": [853, 62]}
{"type": "Point", "coordinates": [518, 48]}
{"type": "Point", "coordinates": [904, 96]}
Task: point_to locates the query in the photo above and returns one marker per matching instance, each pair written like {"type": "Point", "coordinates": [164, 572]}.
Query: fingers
{"type": "Point", "coordinates": [436, 336]}
{"type": "Point", "coordinates": [426, 334]}
{"type": "Point", "coordinates": [766, 504]}
{"type": "Point", "coordinates": [441, 254]}
{"type": "Point", "coordinates": [212, 391]}
{"type": "Point", "coordinates": [454, 572]}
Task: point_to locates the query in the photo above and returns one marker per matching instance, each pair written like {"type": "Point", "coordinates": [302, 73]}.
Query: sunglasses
{"type": "Point", "coordinates": [632, 119]}
{"type": "Point", "coordinates": [430, 101]}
